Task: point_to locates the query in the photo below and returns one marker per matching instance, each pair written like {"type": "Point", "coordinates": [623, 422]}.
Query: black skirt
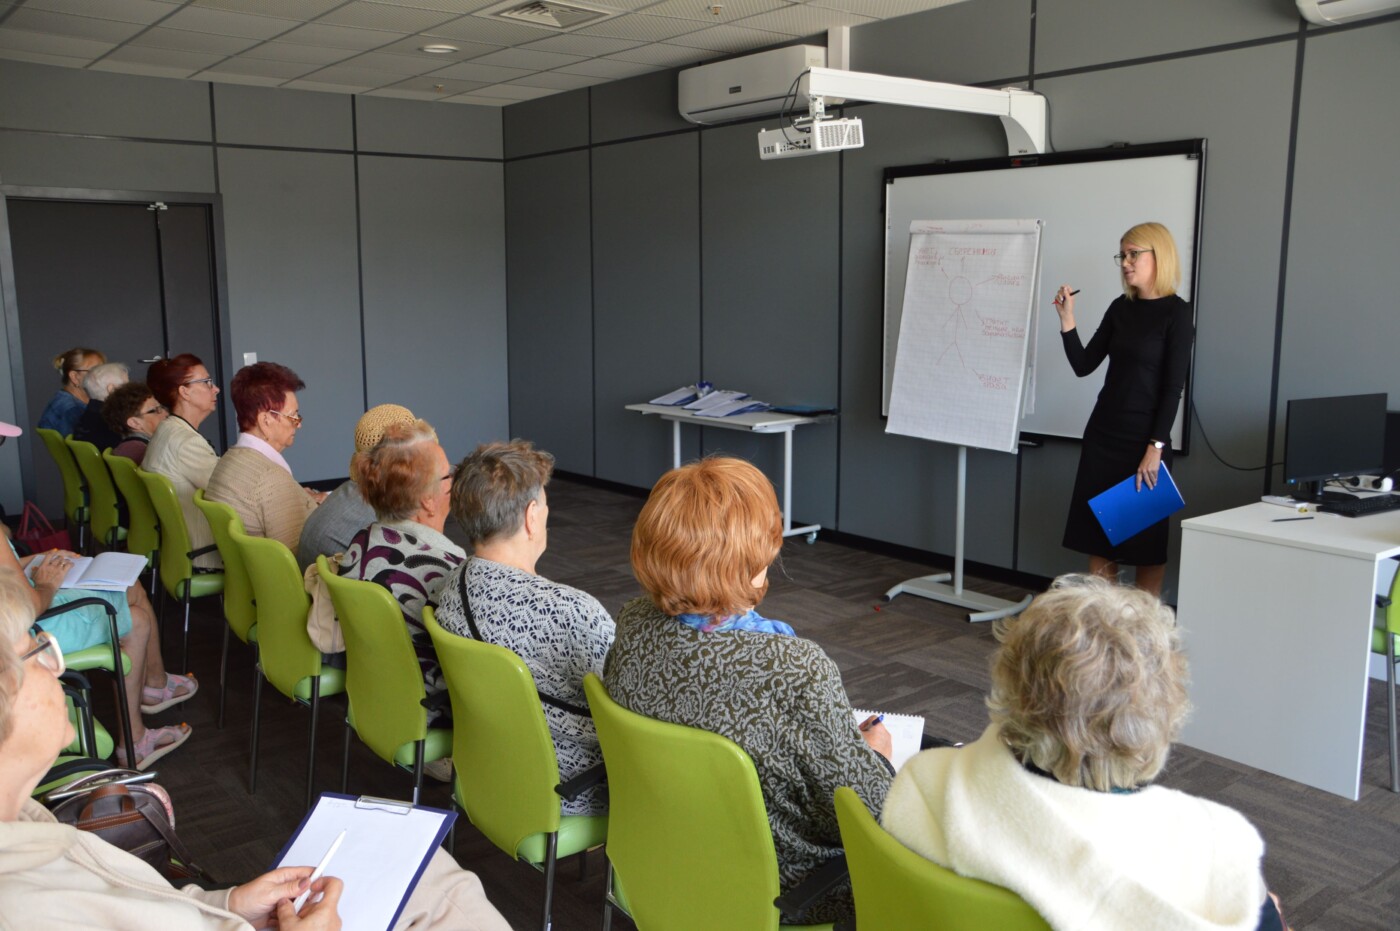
{"type": "Point", "coordinates": [1104, 461]}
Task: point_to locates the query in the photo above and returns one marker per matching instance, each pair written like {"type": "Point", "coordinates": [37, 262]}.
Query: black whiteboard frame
{"type": "Point", "coordinates": [1191, 148]}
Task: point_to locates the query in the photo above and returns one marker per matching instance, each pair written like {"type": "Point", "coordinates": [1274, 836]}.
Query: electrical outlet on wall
{"type": "Point", "coordinates": [249, 358]}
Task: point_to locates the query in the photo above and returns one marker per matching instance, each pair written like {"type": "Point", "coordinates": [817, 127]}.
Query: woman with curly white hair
{"type": "Point", "coordinates": [1056, 800]}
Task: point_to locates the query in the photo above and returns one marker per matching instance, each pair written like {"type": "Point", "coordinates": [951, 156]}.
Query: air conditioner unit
{"type": "Point", "coordinates": [754, 85]}
{"type": "Point", "coordinates": [1332, 12]}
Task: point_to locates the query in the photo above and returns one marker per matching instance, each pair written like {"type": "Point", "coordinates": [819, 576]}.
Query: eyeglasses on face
{"type": "Point", "coordinates": [202, 381]}
{"type": "Point", "coordinates": [48, 653]}
{"type": "Point", "coordinates": [1131, 256]}
{"type": "Point", "coordinates": [294, 418]}
{"type": "Point", "coordinates": [158, 409]}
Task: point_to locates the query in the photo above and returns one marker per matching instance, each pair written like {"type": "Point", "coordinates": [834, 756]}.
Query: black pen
{"type": "Point", "coordinates": [1071, 294]}
{"type": "Point", "coordinates": [1280, 520]}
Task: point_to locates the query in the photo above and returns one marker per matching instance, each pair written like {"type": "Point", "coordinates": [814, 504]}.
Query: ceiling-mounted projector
{"type": "Point", "coordinates": [813, 138]}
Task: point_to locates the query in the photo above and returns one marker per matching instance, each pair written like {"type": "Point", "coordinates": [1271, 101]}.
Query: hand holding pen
{"type": "Point", "coordinates": [1064, 306]}
{"type": "Point", "coordinates": [877, 735]}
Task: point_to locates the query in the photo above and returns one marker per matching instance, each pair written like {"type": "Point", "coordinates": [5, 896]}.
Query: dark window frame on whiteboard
{"type": "Point", "coordinates": [1094, 195]}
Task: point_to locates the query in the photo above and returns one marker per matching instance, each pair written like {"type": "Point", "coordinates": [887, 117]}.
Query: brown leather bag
{"type": "Point", "coordinates": [137, 818]}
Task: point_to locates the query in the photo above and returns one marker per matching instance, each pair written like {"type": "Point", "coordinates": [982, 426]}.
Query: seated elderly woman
{"type": "Point", "coordinates": [695, 652]}
{"type": "Point", "coordinates": [184, 387]}
{"type": "Point", "coordinates": [407, 480]}
{"type": "Point", "coordinates": [561, 633]}
{"type": "Point", "coordinates": [99, 383]}
{"type": "Point", "coordinates": [133, 415]}
{"type": "Point", "coordinates": [252, 477]}
{"type": "Point", "coordinates": [330, 528]}
{"type": "Point", "coordinates": [66, 406]}
{"type": "Point", "coordinates": [51, 874]}
{"type": "Point", "coordinates": [1055, 801]}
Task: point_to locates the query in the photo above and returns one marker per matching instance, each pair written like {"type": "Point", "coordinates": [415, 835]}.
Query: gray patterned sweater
{"type": "Point", "coordinates": [781, 699]}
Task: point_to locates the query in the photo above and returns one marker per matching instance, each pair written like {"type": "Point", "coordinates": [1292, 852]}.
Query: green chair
{"type": "Point", "coordinates": [240, 614]}
{"type": "Point", "coordinates": [286, 656]}
{"type": "Point", "coordinates": [74, 496]}
{"type": "Point", "coordinates": [106, 656]}
{"type": "Point", "coordinates": [896, 889]}
{"type": "Point", "coordinates": [507, 774]}
{"type": "Point", "coordinates": [688, 835]}
{"type": "Point", "coordinates": [1384, 642]}
{"type": "Point", "coordinates": [104, 515]}
{"type": "Point", "coordinates": [143, 527]}
{"type": "Point", "coordinates": [383, 679]}
{"type": "Point", "coordinates": [177, 570]}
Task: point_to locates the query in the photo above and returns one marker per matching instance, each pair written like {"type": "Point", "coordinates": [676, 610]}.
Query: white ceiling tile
{"type": "Point", "coordinates": [42, 58]}
{"type": "Point", "coordinates": [801, 20]}
{"type": "Point", "coordinates": [666, 56]}
{"type": "Point", "coordinates": [515, 92]}
{"type": "Point", "coordinates": [361, 40]}
{"type": "Point", "coordinates": [65, 24]}
{"type": "Point", "coordinates": [640, 27]}
{"type": "Point", "coordinates": [323, 87]}
{"type": "Point", "coordinates": [401, 65]}
{"type": "Point", "coordinates": [702, 10]}
{"type": "Point", "coordinates": [524, 58]}
{"type": "Point", "coordinates": [402, 94]}
{"type": "Point", "coordinates": [429, 86]}
{"type": "Point", "coordinates": [471, 71]}
{"type": "Point", "coordinates": [291, 51]}
{"type": "Point", "coordinates": [262, 68]}
{"type": "Point", "coordinates": [460, 7]}
{"type": "Point", "coordinates": [575, 44]}
{"type": "Point", "coordinates": [465, 49]}
{"type": "Point", "coordinates": [39, 43]}
{"type": "Point", "coordinates": [351, 76]}
{"type": "Point", "coordinates": [493, 32]}
{"type": "Point", "coordinates": [609, 68]}
{"type": "Point", "coordinates": [288, 9]}
{"type": "Point", "coordinates": [135, 67]}
{"type": "Point", "coordinates": [165, 57]}
{"type": "Point", "coordinates": [221, 22]}
{"type": "Point", "coordinates": [475, 101]}
{"type": "Point", "coordinates": [229, 77]}
{"type": "Point", "coordinates": [127, 11]}
{"type": "Point", "coordinates": [883, 9]}
{"type": "Point", "coordinates": [400, 19]}
{"type": "Point", "coordinates": [731, 39]}
{"type": "Point", "coordinates": [183, 39]}
{"type": "Point", "coordinates": [558, 80]}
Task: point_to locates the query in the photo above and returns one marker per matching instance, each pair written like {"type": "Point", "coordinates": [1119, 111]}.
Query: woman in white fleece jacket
{"type": "Point", "coordinates": [1054, 801]}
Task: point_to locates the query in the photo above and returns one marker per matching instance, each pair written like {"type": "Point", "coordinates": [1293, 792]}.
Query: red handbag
{"type": "Point", "coordinates": [37, 534]}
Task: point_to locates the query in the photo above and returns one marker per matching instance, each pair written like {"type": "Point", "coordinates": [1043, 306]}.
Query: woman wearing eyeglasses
{"type": "Point", "coordinates": [134, 415]}
{"type": "Point", "coordinates": [252, 477]}
{"type": "Point", "coordinates": [1146, 336]}
{"type": "Point", "coordinates": [184, 387]}
{"type": "Point", "coordinates": [69, 402]}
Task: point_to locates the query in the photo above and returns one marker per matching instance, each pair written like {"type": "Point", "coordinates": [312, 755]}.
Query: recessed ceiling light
{"type": "Point", "coordinates": [438, 49]}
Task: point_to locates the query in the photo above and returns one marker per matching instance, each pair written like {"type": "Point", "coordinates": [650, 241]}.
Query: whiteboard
{"type": "Point", "coordinates": [967, 332]}
{"type": "Point", "coordinates": [1087, 200]}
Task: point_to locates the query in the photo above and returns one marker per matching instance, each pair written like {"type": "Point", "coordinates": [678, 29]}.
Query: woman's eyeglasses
{"type": "Point", "coordinates": [1131, 256]}
{"type": "Point", "coordinates": [202, 381]}
{"type": "Point", "coordinates": [158, 409]}
{"type": "Point", "coordinates": [294, 418]}
{"type": "Point", "coordinates": [48, 653]}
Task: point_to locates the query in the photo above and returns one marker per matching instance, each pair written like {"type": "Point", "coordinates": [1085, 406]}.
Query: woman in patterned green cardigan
{"type": "Point", "coordinates": [695, 652]}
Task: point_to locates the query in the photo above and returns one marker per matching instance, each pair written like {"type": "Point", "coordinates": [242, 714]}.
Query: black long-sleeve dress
{"type": "Point", "coordinates": [1148, 347]}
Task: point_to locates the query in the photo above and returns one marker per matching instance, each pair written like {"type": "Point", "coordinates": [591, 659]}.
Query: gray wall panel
{"type": "Point", "coordinates": [69, 100]}
{"type": "Point", "coordinates": [550, 298]}
{"type": "Point", "coordinates": [292, 286]}
{"type": "Point", "coordinates": [1090, 32]}
{"type": "Point", "coordinates": [636, 107]}
{"type": "Point", "coordinates": [426, 128]}
{"type": "Point", "coordinates": [646, 251]}
{"type": "Point", "coordinates": [771, 254]}
{"type": "Point", "coordinates": [1342, 251]}
{"type": "Point", "coordinates": [271, 116]}
{"type": "Point", "coordinates": [433, 248]}
{"type": "Point", "coordinates": [548, 124]}
{"type": "Point", "coordinates": [63, 161]}
{"type": "Point", "coordinates": [965, 43]}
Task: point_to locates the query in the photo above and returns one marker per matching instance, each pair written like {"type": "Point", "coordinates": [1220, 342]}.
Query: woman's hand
{"type": "Point", "coordinates": [50, 573]}
{"type": "Point", "coordinates": [878, 737]}
{"type": "Point", "coordinates": [1147, 468]}
{"type": "Point", "coordinates": [319, 915]}
{"type": "Point", "coordinates": [1064, 306]}
{"type": "Point", "coordinates": [256, 901]}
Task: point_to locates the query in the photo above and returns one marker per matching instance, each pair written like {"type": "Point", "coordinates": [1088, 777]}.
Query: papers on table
{"type": "Point", "coordinates": [906, 733]}
{"type": "Point", "coordinates": [704, 401]}
{"type": "Point", "coordinates": [715, 399]}
{"type": "Point", "coordinates": [106, 572]}
{"type": "Point", "coordinates": [387, 846]}
{"type": "Point", "coordinates": [744, 405]}
{"type": "Point", "coordinates": [678, 397]}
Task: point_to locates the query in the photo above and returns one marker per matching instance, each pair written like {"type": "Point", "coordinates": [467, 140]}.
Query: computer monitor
{"type": "Point", "coordinates": [1332, 438]}
{"type": "Point", "coordinates": [1392, 444]}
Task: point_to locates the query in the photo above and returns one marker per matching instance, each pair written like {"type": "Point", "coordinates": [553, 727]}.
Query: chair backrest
{"type": "Point", "coordinates": [382, 675]}
{"type": "Point", "coordinates": [896, 889]}
{"type": "Point", "coordinates": [1388, 618]}
{"type": "Point", "coordinates": [688, 833]}
{"type": "Point", "coordinates": [74, 499]}
{"type": "Point", "coordinates": [102, 492]}
{"type": "Point", "coordinates": [285, 652]}
{"type": "Point", "coordinates": [143, 527]}
{"type": "Point", "coordinates": [238, 588]}
{"type": "Point", "coordinates": [176, 567]}
{"type": "Point", "coordinates": [502, 751]}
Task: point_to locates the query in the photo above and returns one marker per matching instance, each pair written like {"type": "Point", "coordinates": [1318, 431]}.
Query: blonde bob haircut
{"type": "Point", "coordinates": [16, 617]}
{"type": "Point", "coordinates": [1159, 239]}
{"type": "Point", "coordinates": [707, 529]}
{"type": "Point", "coordinates": [1089, 684]}
{"type": "Point", "coordinates": [397, 473]}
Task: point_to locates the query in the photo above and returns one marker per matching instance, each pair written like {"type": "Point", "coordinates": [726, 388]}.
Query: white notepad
{"type": "Point", "coordinates": [387, 846]}
{"type": "Point", "coordinates": [906, 733]}
{"type": "Point", "coordinates": [105, 572]}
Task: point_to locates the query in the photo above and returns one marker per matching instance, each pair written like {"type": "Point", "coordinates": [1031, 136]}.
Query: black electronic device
{"type": "Point", "coordinates": [1391, 465]}
{"type": "Point", "coordinates": [1332, 438]}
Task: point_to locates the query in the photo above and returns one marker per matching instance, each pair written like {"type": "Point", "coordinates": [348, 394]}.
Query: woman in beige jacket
{"type": "Point", "coordinates": [177, 450]}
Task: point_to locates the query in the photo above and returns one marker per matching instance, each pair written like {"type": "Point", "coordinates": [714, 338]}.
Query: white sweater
{"type": "Point", "coordinates": [1085, 860]}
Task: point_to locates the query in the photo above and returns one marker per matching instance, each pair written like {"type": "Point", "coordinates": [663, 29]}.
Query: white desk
{"type": "Point", "coordinates": [760, 422]}
{"type": "Point", "coordinates": [1277, 622]}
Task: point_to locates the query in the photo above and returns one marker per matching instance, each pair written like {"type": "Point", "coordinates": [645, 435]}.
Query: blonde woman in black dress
{"type": "Point", "coordinates": [1146, 336]}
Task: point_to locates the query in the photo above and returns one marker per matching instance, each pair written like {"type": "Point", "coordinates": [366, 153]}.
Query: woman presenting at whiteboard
{"type": "Point", "coordinates": [1146, 337]}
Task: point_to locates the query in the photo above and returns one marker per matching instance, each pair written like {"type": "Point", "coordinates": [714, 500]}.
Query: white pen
{"type": "Point", "coordinates": [318, 872]}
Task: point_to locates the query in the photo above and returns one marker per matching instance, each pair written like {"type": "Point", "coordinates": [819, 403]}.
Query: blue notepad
{"type": "Point", "coordinates": [1124, 512]}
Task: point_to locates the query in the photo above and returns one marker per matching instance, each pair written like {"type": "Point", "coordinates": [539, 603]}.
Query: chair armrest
{"type": "Point", "coordinates": [438, 700]}
{"type": "Point", "coordinates": [73, 679]}
{"type": "Point", "coordinates": [77, 603]}
{"type": "Point", "coordinates": [817, 884]}
{"type": "Point", "coordinates": [587, 779]}
{"type": "Point", "coordinates": [1382, 601]}
{"type": "Point", "coordinates": [203, 551]}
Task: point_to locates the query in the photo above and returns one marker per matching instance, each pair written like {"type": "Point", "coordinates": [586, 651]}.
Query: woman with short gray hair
{"type": "Point", "coordinates": [1055, 800]}
{"type": "Point", "coordinates": [92, 427]}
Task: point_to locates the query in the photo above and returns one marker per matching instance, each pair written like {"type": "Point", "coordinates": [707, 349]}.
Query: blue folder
{"type": "Point", "coordinates": [1124, 512]}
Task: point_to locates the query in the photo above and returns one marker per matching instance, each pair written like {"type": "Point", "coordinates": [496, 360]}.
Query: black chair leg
{"type": "Point", "coordinates": [345, 761]}
{"type": "Point", "coordinates": [185, 650]}
{"type": "Point", "coordinates": [257, 709]}
{"type": "Point", "coordinates": [1390, 710]}
{"type": "Point", "coordinates": [123, 712]}
{"type": "Point", "coordinates": [551, 852]}
{"type": "Point", "coordinates": [417, 769]}
{"type": "Point", "coordinates": [311, 749]}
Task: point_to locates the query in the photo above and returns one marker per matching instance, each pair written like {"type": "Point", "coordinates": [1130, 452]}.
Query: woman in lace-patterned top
{"type": "Point", "coordinates": [560, 632]}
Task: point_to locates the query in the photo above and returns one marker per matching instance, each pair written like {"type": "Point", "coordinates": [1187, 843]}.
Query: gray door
{"type": "Point", "coordinates": [134, 282]}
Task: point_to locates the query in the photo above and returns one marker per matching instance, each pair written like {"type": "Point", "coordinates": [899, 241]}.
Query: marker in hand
{"type": "Point", "coordinates": [1060, 298]}
{"type": "Point", "coordinates": [318, 873]}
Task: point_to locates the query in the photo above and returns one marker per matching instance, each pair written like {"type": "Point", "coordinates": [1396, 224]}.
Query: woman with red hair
{"type": "Point", "coordinates": [184, 387]}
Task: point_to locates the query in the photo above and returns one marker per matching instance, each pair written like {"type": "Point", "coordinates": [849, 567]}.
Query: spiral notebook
{"type": "Point", "coordinates": [906, 733]}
